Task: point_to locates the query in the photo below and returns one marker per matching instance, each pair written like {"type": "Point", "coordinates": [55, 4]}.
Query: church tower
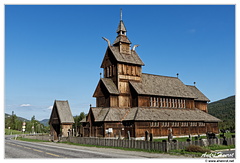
{"type": "Point", "coordinates": [121, 64]}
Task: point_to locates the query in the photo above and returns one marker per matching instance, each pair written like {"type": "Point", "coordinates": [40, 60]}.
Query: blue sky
{"type": "Point", "coordinates": [55, 52]}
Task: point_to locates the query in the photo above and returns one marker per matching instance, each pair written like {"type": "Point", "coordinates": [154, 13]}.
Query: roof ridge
{"type": "Point", "coordinates": [125, 113]}
{"type": "Point", "coordinates": [136, 113]}
{"type": "Point", "coordinates": [190, 85]}
{"type": "Point", "coordinates": [106, 114]}
{"type": "Point", "coordinates": [161, 75]}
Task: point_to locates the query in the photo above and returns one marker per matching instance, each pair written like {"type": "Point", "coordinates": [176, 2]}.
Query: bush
{"type": "Point", "coordinates": [196, 148]}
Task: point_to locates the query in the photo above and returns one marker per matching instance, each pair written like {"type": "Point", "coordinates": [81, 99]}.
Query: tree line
{"type": "Point", "coordinates": [33, 126]}
{"type": "Point", "coordinates": [225, 110]}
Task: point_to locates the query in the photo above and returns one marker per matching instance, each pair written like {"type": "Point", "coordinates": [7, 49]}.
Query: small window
{"type": "Point", "coordinates": [165, 124]}
{"type": "Point", "coordinates": [175, 124]}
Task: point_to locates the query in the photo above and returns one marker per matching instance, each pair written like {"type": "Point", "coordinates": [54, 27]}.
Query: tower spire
{"type": "Point", "coordinates": [121, 14]}
{"type": "Point", "coordinates": [121, 31]}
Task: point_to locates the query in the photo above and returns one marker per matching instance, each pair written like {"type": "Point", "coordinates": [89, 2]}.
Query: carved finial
{"type": "Point", "coordinates": [134, 47]}
{"type": "Point", "coordinates": [177, 74]}
{"type": "Point", "coordinates": [194, 83]}
{"type": "Point", "coordinates": [109, 44]}
{"type": "Point", "coordinates": [100, 75]}
{"type": "Point", "coordinates": [90, 105]}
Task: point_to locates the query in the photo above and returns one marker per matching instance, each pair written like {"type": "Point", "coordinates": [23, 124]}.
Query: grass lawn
{"type": "Point", "coordinates": [31, 140]}
{"type": "Point", "coordinates": [13, 132]}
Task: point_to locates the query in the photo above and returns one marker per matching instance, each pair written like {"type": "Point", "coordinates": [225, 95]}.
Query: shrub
{"type": "Point", "coordinates": [196, 148]}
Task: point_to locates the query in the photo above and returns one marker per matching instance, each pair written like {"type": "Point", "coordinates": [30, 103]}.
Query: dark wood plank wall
{"type": "Point", "coordinates": [138, 129]}
{"type": "Point", "coordinates": [202, 105]}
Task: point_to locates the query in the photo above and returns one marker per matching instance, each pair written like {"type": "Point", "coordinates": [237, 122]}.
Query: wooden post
{"type": "Point", "coordinates": [129, 136]}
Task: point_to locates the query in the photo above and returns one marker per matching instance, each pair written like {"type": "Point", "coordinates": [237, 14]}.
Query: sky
{"type": "Point", "coordinates": [54, 52]}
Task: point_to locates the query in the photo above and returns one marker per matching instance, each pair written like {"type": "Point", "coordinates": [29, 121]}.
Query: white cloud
{"type": "Point", "coordinates": [50, 107]}
{"type": "Point", "coordinates": [23, 105]}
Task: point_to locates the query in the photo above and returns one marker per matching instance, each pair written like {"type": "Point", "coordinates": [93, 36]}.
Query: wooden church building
{"type": "Point", "coordinates": [131, 102]}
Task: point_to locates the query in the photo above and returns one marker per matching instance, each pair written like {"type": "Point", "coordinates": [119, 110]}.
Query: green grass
{"type": "Point", "coordinates": [30, 140]}
{"type": "Point", "coordinates": [13, 132]}
{"type": "Point", "coordinates": [228, 135]}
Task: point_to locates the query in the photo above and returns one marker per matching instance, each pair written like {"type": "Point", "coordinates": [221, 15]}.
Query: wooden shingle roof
{"type": "Point", "coordinates": [121, 27]}
{"type": "Point", "coordinates": [108, 84]}
{"type": "Point", "coordinates": [162, 86]}
{"type": "Point", "coordinates": [132, 58]}
{"type": "Point", "coordinates": [111, 87]}
{"type": "Point", "coordinates": [63, 112]}
{"type": "Point", "coordinates": [109, 114]}
{"type": "Point", "coordinates": [150, 114]}
{"type": "Point", "coordinates": [199, 95]}
{"type": "Point", "coordinates": [121, 38]}
{"type": "Point", "coordinates": [156, 114]}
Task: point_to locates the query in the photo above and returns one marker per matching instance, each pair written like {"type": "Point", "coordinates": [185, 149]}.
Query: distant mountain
{"type": "Point", "coordinates": [44, 122]}
{"type": "Point", "coordinates": [19, 118]}
{"type": "Point", "coordinates": [225, 110]}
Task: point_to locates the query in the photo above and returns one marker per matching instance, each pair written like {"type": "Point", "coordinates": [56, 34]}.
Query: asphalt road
{"type": "Point", "coordinates": [22, 149]}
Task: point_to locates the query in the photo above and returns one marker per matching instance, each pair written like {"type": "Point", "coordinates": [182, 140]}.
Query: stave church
{"type": "Point", "coordinates": [130, 102]}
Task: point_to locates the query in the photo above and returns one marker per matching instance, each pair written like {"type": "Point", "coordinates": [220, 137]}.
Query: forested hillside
{"type": "Point", "coordinates": [225, 110]}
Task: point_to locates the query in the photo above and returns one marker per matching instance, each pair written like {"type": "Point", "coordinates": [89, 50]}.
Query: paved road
{"type": "Point", "coordinates": [22, 149]}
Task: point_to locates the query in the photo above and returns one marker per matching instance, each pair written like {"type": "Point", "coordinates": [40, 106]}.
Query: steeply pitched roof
{"type": "Point", "coordinates": [121, 27]}
{"type": "Point", "coordinates": [64, 112]}
{"type": "Point", "coordinates": [151, 114]}
{"type": "Point", "coordinates": [162, 86]}
{"type": "Point", "coordinates": [200, 96]}
{"type": "Point", "coordinates": [156, 114]}
{"type": "Point", "coordinates": [132, 58]}
{"type": "Point", "coordinates": [121, 38]}
{"type": "Point", "coordinates": [109, 85]}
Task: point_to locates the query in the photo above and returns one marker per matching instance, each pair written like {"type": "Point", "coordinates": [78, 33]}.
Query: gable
{"type": "Point", "coordinates": [61, 113]}
{"type": "Point", "coordinates": [108, 59]}
{"type": "Point", "coordinates": [199, 95]}
{"type": "Point", "coordinates": [105, 84]}
{"type": "Point", "coordinates": [54, 118]}
{"type": "Point", "coordinates": [113, 54]}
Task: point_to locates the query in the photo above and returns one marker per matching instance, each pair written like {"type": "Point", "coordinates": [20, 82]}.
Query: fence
{"type": "Point", "coordinates": [139, 144]}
